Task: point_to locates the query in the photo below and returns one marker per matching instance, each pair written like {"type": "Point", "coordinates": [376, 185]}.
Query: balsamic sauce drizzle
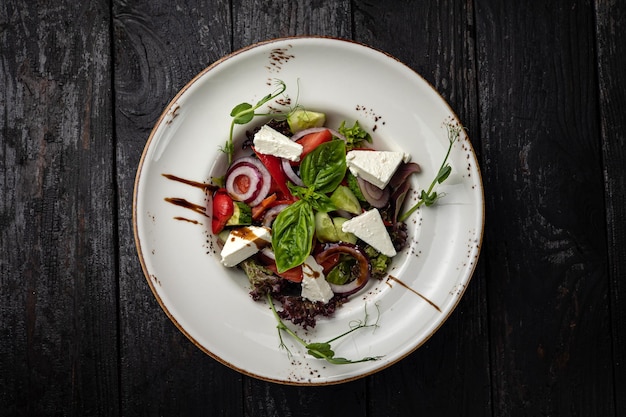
{"type": "Point", "coordinates": [392, 278]}
{"type": "Point", "coordinates": [181, 202]}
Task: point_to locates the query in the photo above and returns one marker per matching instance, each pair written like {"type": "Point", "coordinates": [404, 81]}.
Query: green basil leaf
{"type": "Point", "coordinates": [323, 168]}
{"type": "Point", "coordinates": [292, 235]}
{"type": "Point", "coordinates": [297, 191]}
{"type": "Point", "coordinates": [321, 202]}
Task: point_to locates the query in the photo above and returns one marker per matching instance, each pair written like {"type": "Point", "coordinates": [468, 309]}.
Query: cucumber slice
{"type": "Point", "coordinates": [242, 215]}
{"type": "Point", "coordinates": [301, 119]}
{"type": "Point", "coordinates": [344, 199]}
{"type": "Point", "coordinates": [341, 235]}
{"type": "Point", "coordinates": [325, 228]}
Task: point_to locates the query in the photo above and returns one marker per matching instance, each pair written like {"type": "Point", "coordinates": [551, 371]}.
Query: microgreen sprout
{"type": "Point", "coordinates": [323, 350]}
{"type": "Point", "coordinates": [428, 198]}
{"type": "Point", "coordinates": [243, 113]}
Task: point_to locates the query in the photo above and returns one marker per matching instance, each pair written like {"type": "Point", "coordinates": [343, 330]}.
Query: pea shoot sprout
{"type": "Point", "coordinates": [323, 350]}
{"type": "Point", "coordinates": [429, 197]}
{"type": "Point", "coordinates": [243, 113]}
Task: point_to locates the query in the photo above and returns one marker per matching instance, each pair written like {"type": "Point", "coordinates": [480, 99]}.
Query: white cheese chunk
{"type": "Point", "coordinates": [370, 228]}
{"type": "Point", "coordinates": [376, 167]}
{"type": "Point", "coordinates": [314, 284]}
{"type": "Point", "coordinates": [271, 142]}
{"type": "Point", "coordinates": [243, 242]}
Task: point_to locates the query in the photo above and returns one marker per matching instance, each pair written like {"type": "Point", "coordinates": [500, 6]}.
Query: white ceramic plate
{"type": "Point", "coordinates": [210, 303]}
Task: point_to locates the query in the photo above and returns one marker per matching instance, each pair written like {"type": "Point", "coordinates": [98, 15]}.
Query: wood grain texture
{"type": "Point", "coordinates": [159, 47]}
{"type": "Point", "coordinates": [548, 284]}
{"type": "Point", "coordinates": [58, 307]}
{"type": "Point", "coordinates": [273, 400]}
{"type": "Point", "coordinates": [540, 87]}
{"type": "Point", "coordinates": [611, 51]}
{"type": "Point", "coordinates": [437, 42]}
{"type": "Point", "coordinates": [267, 19]}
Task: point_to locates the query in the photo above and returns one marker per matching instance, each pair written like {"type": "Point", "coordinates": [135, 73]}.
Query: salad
{"type": "Point", "coordinates": [311, 213]}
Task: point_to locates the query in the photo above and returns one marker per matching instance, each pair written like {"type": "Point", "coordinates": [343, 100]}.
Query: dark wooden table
{"type": "Point", "coordinates": [541, 86]}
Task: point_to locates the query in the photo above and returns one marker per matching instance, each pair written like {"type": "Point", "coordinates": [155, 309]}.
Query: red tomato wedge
{"type": "Point", "coordinates": [274, 166]}
{"type": "Point", "coordinates": [223, 208]}
{"type": "Point", "coordinates": [294, 274]}
{"type": "Point", "coordinates": [312, 141]}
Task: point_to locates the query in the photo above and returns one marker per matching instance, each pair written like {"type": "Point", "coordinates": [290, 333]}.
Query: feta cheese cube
{"type": "Point", "coordinates": [370, 228]}
{"type": "Point", "coordinates": [244, 242]}
{"type": "Point", "coordinates": [376, 167]}
{"type": "Point", "coordinates": [314, 284]}
{"type": "Point", "coordinates": [271, 142]}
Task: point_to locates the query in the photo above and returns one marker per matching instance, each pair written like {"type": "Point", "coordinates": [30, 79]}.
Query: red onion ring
{"type": "Point", "coordinates": [270, 215]}
{"type": "Point", "coordinates": [375, 196]}
{"type": "Point", "coordinates": [305, 132]}
{"type": "Point", "coordinates": [361, 258]}
{"type": "Point", "coordinates": [260, 180]}
{"type": "Point", "coordinates": [253, 175]}
{"type": "Point", "coordinates": [403, 173]}
{"type": "Point", "coordinates": [289, 172]}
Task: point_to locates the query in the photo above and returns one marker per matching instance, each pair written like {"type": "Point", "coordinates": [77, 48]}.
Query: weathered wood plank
{"type": "Point", "coordinates": [449, 375]}
{"type": "Point", "coordinates": [547, 264]}
{"type": "Point", "coordinates": [272, 400]}
{"type": "Point", "coordinates": [259, 20]}
{"type": "Point", "coordinates": [58, 342]}
{"type": "Point", "coordinates": [159, 47]}
{"type": "Point", "coordinates": [610, 33]}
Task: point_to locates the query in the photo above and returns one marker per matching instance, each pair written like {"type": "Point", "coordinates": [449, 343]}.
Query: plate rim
{"type": "Point", "coordinates": [164, 114]}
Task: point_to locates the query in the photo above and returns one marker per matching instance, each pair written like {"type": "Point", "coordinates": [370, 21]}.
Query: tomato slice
{"type": "Point", "coordinates": [274, 166]}
{"type": "Point", "coordinates": [312, 141]}
{"type": "Point", "coordinates": [223, 209]}
{"type": "Point", "coordinates": [294, 274]}
{"type": "Point", "coordinates": [242, 182]}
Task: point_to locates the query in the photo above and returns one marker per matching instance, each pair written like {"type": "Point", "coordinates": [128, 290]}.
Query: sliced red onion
{"type": "Point", "coordinates": [375, 196]}
{"type": "Point", "coordinates": [398, 197]}
{"type": "Point", "coordinates": [361, 258]}
{"type": "Point", "coordinates": [344, 214]}
{"type": "Point", "coordinates": [337, 134]}
{"type": "Point", "coordinates": [305, 132]}
{"type": "Point", "coordinates": [289, 172]}
{"type": "Point", "coordinates": [253, 175]}
{"type": "Point", "coordinates": [260, 180]}
{"type": "Point", "coordinates": [400, 185]}
{"type": "Point", "coordinates": [271, 214]}
{"type": "Point", "coordinates": [403, 173]}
